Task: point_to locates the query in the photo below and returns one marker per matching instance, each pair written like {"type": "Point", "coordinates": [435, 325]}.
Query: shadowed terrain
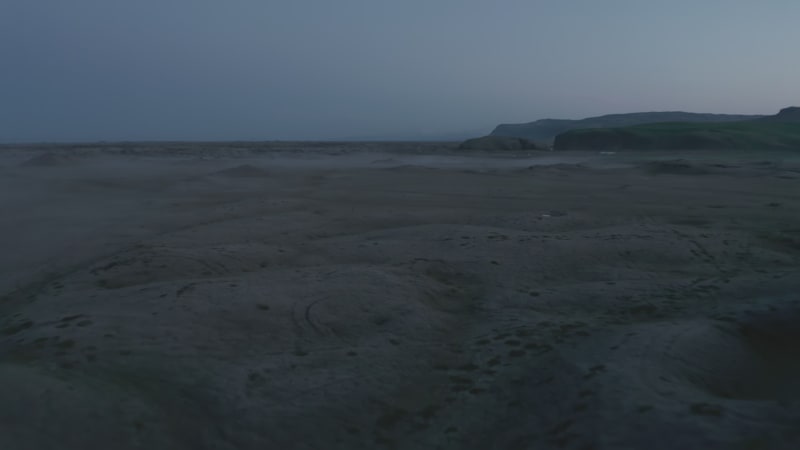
{"type": "Point", "coordinates": [403, 296]}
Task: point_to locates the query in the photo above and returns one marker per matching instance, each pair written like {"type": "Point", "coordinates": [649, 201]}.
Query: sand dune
{"type": "Point", "coordinates": [388, 298]}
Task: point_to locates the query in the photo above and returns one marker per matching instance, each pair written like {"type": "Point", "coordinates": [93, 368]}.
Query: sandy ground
{"type": "Point", "coordinates": [368, 296]}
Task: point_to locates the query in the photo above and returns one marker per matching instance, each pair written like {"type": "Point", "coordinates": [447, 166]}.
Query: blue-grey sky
{"type": "Point", "coordinates": [85, 70]}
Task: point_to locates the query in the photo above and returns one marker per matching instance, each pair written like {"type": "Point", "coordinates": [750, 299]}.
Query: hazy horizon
{"type": "Point", "coordinates": [177, 70]}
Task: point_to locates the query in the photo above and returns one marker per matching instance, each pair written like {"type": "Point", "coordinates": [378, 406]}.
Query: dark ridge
{"type": "Point", "coordinates": [546, 130]}
{"type": "Point", "coordinates": [778, 132]}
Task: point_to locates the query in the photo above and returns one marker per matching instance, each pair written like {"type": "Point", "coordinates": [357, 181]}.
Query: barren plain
{"type": "Point", "coordinates": [368, 295]}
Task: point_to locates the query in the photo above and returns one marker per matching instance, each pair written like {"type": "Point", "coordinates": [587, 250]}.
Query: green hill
{"type": "Point", "coordinates": [781, 131]}
{"type": "Point", "coordinates": [546, 129]}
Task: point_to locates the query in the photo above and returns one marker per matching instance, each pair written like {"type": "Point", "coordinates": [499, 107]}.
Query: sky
{"type": "Point", "coordinates": [105, 70]}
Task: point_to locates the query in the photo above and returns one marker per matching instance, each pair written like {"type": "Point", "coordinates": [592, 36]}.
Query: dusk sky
{"type": "Point", "coordinates": [88, 70]}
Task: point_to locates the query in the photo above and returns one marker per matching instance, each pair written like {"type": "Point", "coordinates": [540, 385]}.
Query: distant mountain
{"type": "Point", "coordinates": [781, 131]}
{"type": "Point", "coordinates": [546, 130]}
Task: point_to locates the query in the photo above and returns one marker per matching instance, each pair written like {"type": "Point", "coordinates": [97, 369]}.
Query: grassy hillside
{"type": "Point", "coordinates": [547, 129]}
{"type": "Point", "coordinates": [754, 134]}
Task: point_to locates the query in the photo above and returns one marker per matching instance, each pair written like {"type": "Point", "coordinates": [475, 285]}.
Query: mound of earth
{"type": "Point", "coordinates": [499, 143]}
{"type": "Point", "coordinates": [674, 167]}
{"type": "Point", "coordinates": [243, 171]}
{"type": "Point", "coordinates": [49, 159]}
